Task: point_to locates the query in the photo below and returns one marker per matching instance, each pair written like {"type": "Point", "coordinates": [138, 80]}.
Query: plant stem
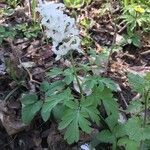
{"type": "Point", "coordinates": [146, 98]}
{"type": "Point", "coordinates": [75, 73]}
{"type": "Point", "coordinates": [114, 146]}
{"type": "Point", "coordinates": [113, 42]}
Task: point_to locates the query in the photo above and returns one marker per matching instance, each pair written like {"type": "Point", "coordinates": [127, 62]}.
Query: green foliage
{"type": "Point", "coordinates": [76, 3]}
{"type": "Point", "coordinates": [6, 33]}
{"type": "Point", "coordinates": [136, 15]}
{"type": "Point", "coordinates": [75, 113]}
{"type": "Point", "coordinates": [13, 3]}
{"type": "Point", "coordinates": [138, 83]}
{"type": "Point", "coordinates": [22, 30]}
{"type": "Point", "coordinates": [28, 31]}
{"type": "Point", "coordinates": [105, 136]}
{"type": "Point", "coordinates": [86, 23]}
{"type": "Point", "coordinates": [128, 144]}
{"type": "Point", "coordinates": [30, 106]}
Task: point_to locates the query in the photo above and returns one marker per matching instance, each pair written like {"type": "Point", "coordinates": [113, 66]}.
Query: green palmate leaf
{"type": "Point", "coordinates": [109, 83]}
{"type": "Point", "coordinates": [74, 3]}
{"type": "Point", "coordinates": [69, 76]}
{"type": "Point", "coordinates": [146, 133]}
{"type": "Point", "coordinates": [136, 40]}
{"type": "Point", "coordinates": [105, 136]}
{"type": "Point", "coordinates": [30, 110]}
{"type": "Point", "coordinates": [135, 131]}
{"type": "Point", "coordinates": [67, 118]}
{"type": "Point", "coordinates": [128, 143]}
{"type": "Point", "coordinates": [119, 130]}
{"type": "Point", "coordinates": [84, 124]}
{"type": "Point", "coordinates": [93, 99]}
{"type": "Point", "coordinates": [146, 145]}
{"type": "Point", "coordinates": [55, 72]}
{"type": "Point", "coordinates": [110, 104]}
{"type": "Point", "coordinates": [54, 100]}
{"type": "Point", "coordinates": [92, 112]}
{"type": "Point", "coordinates": [137, 82]}
{"type": "Point", "coordinates": [45, 86]}
{"type": "Point", "coordinates": [90, 82]}
{"type": "Point", "coordinates": [111, 121]}
{"type": "Point", "coordinates": [72, 104]}
{"type": "Point", "coordinates": [2, 29]}
{"type": "Point", "coordinates": [72, 121]}
{"type": "Point", "coordinates": [55, 87]}
{"type": "Point", "coordinates": [102, 82]}
{"type": "Point", "coordinates": [29, 99]}
{"type": "Point", "coordinates": [59, 111]}
{"type": "Point", "coordinates": [72, 132]}
{"type": "Point", "coordinates": [134, 107]}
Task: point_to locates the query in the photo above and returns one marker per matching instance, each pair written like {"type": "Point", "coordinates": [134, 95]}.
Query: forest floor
{"type": "Point", "coordinates": [25, 60]}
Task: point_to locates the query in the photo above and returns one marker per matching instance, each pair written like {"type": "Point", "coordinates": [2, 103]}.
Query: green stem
{"type": "Point", "coordinates": [146, 98]}
{"type": "Point", "coordinates": [76, 76]}
{"type": "Point", "coordinates": [126, 2]}
{"type": "Point", "coordinates": [114, 146]}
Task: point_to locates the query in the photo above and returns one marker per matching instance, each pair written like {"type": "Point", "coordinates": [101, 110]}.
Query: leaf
{"type": "Point", "coordinates": [134, 107]}
{"type": "Point", "coordinates": [54, 100]}
{"type": "Point", "coordinates": [29, 111]}
{"type": "Point", "coordinates": [109, 83]}
{"type": "Point", "coordinates": [90, 82]}
{"type": "Point", "coordinates": [72, 104]}
{"type": "Point", "coordinates": [135, 131]}
{"type": "Point", "coordinates": [95, 97]}
{"type": "Point", "coordinates": [119, 130]}
{"type": "Point", "coordinates": [137, 82]}
{"type": "Point", "coordinates": [147, 77]}
{"type": "Point", "coordinates": [136, 41]}
{"type": "Point", "coordinates": [44, 86]}
{"type": "Point", "coordinates": [29, 99]}
{"type": "Point", "coordinates": [105, 136]}
{"type": "Point", "coordinates": [72, 132]}
{"type": "Point", "coordinates": [69, 76]}
{"type": "Point", "coordinates": [74, 3]}
{"type": "Point", "coordinates": [92, 112]}
{"type": "Point", "coordinates": [84, 124]}
{"type": "Point", "coordinates": [86, 22]}
{"type": "Point", "coordinates": [55, 72]}
{"type": "Point", "coordinates": [67, 119]}
{"type": "Point", "coordinates": [110, 104]}
{"type": "Point", "coordinates": [74, 119]}
{"type": "Point", "coordinates": [128, 143]}
{"type": "Point", "coordinates": [58, 111]}
{"type": "Point", "coordinates": [55, 87]}
{"type": "Point", "coordinates": [2, 29]}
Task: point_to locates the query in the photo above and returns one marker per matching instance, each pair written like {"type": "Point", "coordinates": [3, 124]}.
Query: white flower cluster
{"type": "Point", "coordinates": [60, 27]}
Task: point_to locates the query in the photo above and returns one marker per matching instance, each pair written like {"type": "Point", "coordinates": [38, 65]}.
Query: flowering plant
{"type": "Point", "coordinates": [60, 27]}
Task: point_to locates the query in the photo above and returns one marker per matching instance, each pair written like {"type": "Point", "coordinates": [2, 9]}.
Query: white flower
{"type": "Point", "coordinates": [60, 27]}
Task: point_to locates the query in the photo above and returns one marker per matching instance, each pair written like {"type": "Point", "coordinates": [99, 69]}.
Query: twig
{"type": "Point", "coordinates": [30, 75]}
{"type": "Point", "coordinates": [10, 93]}
{"type": "Point", "coordinates": [145, 53]}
